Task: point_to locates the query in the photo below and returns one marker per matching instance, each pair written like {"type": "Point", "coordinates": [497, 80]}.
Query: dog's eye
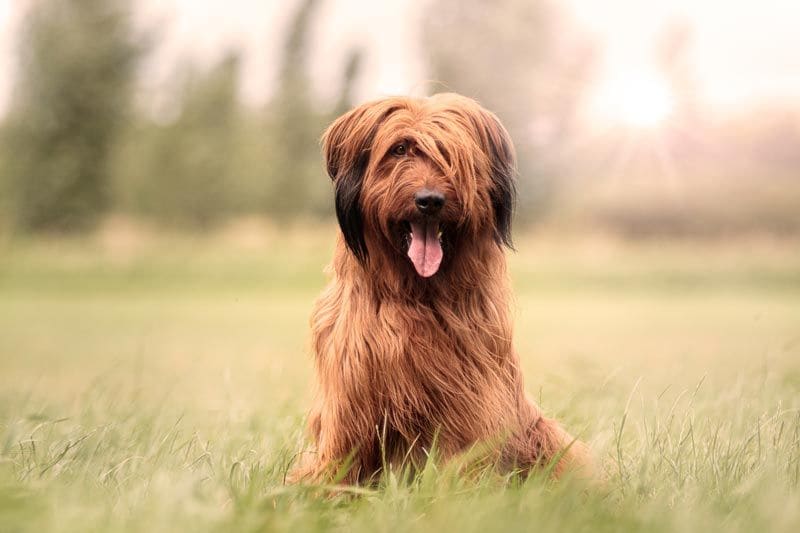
{"type": "Point", "coordinates": [399, 149]}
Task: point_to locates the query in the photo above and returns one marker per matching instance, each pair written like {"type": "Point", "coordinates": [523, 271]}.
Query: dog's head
{"type": "Point", "coordinates": [421, 179]}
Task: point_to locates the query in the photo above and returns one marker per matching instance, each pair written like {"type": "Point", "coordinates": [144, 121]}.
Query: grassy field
{"type": "Point", "coordinates": [160, 385]}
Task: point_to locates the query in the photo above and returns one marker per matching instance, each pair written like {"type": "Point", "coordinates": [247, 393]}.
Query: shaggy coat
{"type": "Point", "coordinates": [412, 337]}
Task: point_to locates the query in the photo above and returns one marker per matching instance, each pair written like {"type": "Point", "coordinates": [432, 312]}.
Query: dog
{"type": "Point", "coordinates": [412, 337]}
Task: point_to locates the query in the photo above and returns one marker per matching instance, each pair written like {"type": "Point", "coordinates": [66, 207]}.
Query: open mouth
{"type": "Point", "coordinates": [423, 242]}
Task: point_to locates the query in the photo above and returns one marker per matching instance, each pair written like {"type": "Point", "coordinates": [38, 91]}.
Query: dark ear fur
{"type": "Point", "coordinates": [347, 146]}
{"type": "Point", "coordinates": [500, 150]}
{"type": "Point", "coordinates": [348, 206]}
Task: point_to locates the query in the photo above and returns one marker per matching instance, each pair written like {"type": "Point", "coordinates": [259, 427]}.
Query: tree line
{"type": "Point", "coordinates": [75, 147]}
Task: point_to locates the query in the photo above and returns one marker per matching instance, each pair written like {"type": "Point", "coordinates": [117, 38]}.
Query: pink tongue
{"type": "Point", "coordinates": [425, 251]}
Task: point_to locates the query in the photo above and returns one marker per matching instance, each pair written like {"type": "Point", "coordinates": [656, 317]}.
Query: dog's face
{"type": "Point", "coordinates": [420, 179]}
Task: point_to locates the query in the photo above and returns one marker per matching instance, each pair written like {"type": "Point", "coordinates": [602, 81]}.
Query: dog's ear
{"type": "Point", "coordinates": [496, 143]}
{"type": "Point", "coordinates": [347, 146]}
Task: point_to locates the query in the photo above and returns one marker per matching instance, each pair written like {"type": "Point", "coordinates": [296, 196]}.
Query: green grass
{"type": "Point", "coordinates": [160, 385]}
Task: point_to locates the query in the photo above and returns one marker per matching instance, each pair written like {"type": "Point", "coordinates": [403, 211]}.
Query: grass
{"type": "Point", "coordinates": [160, 385]}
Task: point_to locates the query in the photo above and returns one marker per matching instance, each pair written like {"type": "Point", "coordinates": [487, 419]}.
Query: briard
{"type": "Point", "coordinates": [412, 336]}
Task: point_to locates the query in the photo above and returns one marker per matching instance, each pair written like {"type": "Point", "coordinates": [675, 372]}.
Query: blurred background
{"type": "Point", "coordinates": [165, 219]}
{"type": "Point", "coordinates": [632, 118]}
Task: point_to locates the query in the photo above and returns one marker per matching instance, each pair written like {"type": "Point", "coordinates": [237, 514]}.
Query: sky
{"type": "Point", "coordinates": [744, 53]}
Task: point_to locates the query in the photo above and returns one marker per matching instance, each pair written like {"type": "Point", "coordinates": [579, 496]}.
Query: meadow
{"type": "Point", "coordinates": [159, 383]}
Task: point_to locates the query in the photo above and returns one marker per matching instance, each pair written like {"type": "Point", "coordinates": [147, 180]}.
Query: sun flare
{"type": "Point", "coordinates": [642, 100]}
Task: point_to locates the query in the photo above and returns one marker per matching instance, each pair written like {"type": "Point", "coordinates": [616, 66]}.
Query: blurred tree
{"type": "Point", "coordinates": [6, 192]}
{"type": "Point", "coordinates": [520, 60]}
{"type": "Point", "coordinates": [295, 177]}
{"type": "Point", "coordinates": [683, 134]}
{"type": "Point", "coordinates": [673, 55]}
{"type": "Point", "coordinates": [215, 159]}
{"type": "Point", "coordinates": [77, 61]}
{"type": "Point", "coordinates": [182, 173]}
{"type": "Point", "coordinates": [350, 75]}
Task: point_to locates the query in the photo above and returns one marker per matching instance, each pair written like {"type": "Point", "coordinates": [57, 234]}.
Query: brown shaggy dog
{"type": "Point", "coordinates": [412, 336]}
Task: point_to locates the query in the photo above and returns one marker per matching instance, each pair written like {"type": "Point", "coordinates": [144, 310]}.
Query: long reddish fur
{"type": "Point", "coordinates": [402, 361]}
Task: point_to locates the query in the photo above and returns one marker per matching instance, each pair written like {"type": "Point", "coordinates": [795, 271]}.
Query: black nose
{"type": "Point", "coordinates": [429, 202]}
